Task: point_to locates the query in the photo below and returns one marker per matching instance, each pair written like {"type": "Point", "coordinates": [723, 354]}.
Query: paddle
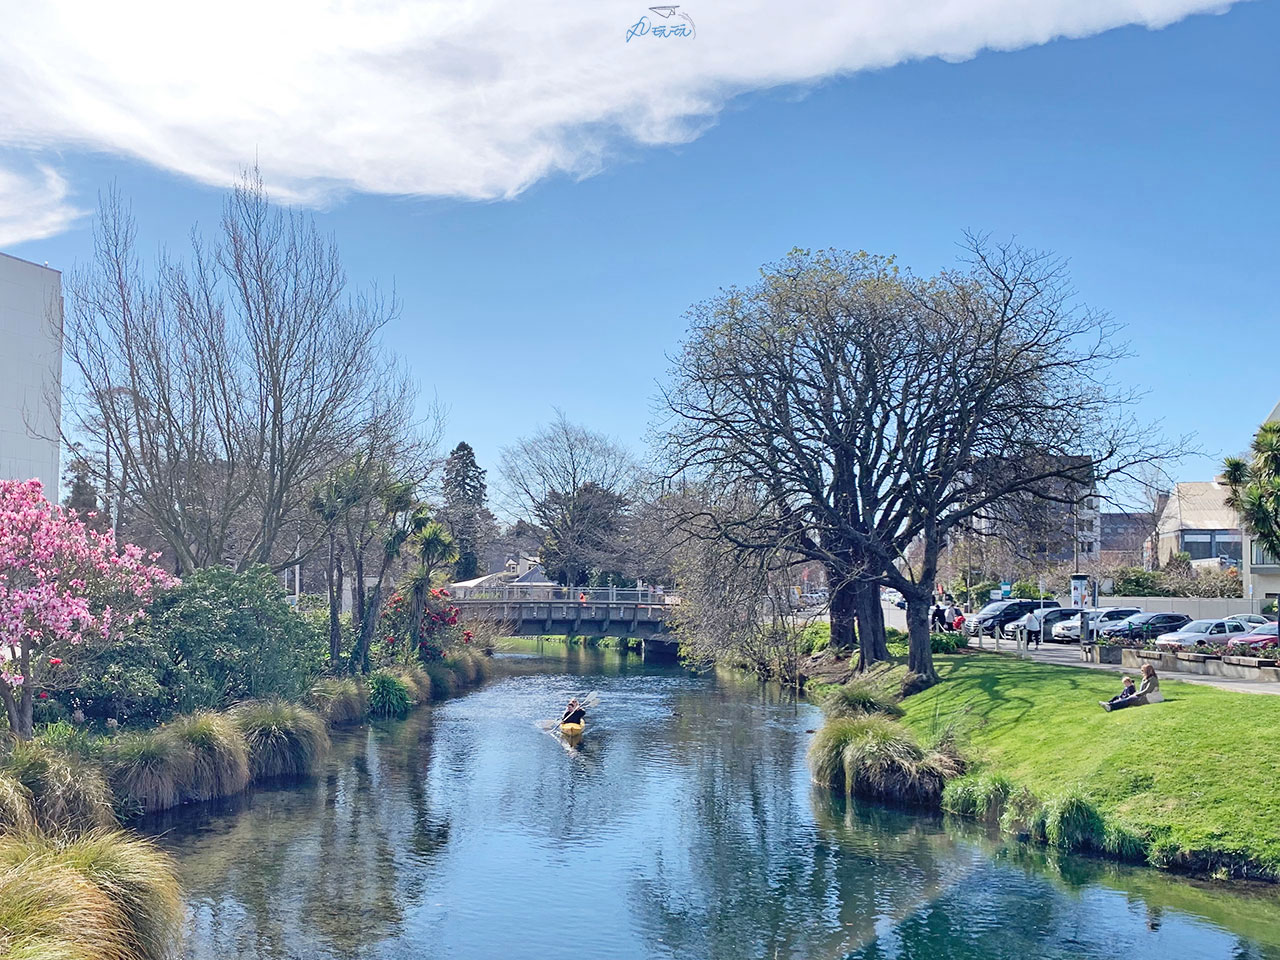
{"type": "Point", "coordinates": [588, 702]}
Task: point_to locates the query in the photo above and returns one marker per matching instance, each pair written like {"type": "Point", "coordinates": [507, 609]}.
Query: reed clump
{"type": "Point", "coordinates": [978, 796]}
{"type": "Point", "coordinates": [388, 695]}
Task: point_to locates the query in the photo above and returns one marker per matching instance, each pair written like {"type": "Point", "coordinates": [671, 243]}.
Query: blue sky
{"type": "Point", "coordinates": [1147, 157]}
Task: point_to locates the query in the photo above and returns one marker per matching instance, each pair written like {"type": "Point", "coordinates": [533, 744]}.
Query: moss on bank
{"type": "Point", "coordinates": [1187, 784]}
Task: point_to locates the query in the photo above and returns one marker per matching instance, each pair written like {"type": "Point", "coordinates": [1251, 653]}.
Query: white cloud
{"type": "Point", "coordinates": [449, 98]}
{"type": "Point", "coordinates": [33, 205]}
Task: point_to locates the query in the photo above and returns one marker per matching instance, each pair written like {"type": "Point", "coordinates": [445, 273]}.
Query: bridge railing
{"type": "Point", "coordinates": [589, 610]}
{"type": "Point", "coordinates": [545, 594]}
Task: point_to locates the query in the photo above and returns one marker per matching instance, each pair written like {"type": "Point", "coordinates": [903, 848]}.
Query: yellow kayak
{"type": "Point", "coordinates": [571, 729]}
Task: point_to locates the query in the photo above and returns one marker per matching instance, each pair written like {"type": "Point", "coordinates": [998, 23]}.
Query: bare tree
{"type": "Point", "coordinates": [213, 396]}
{"type": "Point", "coordinates": [576, 485]}
{"type": "Point", "coordinates": [868, 411]}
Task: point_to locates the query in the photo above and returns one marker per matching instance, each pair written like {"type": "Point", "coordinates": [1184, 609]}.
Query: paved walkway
{"type": "Point", "coordinates": [1068, 655]}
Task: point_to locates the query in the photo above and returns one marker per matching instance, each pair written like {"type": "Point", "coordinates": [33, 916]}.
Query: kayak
{"type": "Point", "coordinates": [571, 729]}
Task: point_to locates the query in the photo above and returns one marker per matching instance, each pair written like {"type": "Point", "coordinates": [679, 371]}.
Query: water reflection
{"type": "Point", "coordinates": [683, 826]}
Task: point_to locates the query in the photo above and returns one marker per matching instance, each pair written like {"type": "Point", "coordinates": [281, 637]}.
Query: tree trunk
{"type": "Point", "coordinates": [920, 672]}
{"type": "Point", "coordinates": [871, 639]}
{"type": "Point", "coordinates": [368, 626]}
{"type": "Point", "coordinates": [18, 703]}
{"type": "Point", "coordinates": [417, 609]}
{"type": "Point", "coordinates": [333, 581]}
{"type": "Point", "coordinates": [358, 602]}
{"type": "Point", "coordinates": [841, 612]}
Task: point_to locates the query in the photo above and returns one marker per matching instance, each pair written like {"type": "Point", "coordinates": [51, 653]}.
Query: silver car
{"type": "Point", "coordinates": [1068, 631]}
{"type": "Point", "coordinates": [1203, 631]}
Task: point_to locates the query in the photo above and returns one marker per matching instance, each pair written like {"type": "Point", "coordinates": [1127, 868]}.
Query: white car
{"type": "Point", "coordinates": [1203, 631]}
{"type": "Point", "coordinates": [1250, 620]}
{"type": "Point", "coordinates": [1068, 631]}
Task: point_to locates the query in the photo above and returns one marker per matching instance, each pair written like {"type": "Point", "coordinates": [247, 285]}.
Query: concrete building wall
{"type": "Point", "coordinates": [30, 371]}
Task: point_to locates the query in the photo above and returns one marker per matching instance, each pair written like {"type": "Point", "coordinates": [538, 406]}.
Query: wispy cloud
{"type": "Point", "coordinates": [474, 100]}
{"type": "Point", "coordinates": [34, 205]}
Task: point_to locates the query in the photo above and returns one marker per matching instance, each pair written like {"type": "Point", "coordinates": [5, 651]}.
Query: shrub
{"type": "Point", "coordinates": [946, 642]}
{"type": "Point", "coordinates": [814, 638]}
{"type": "Point", "coordinates": [284, 739]}
{"type": "Point", "coordinates": [136, 879]}
{"type": "Point", "coordinates": [219, 755]}
{"type": "Point", "coordinates": [217, 638]}
{"type": "Point", "coordinates": [978, 797]}
{"type": "Point", "coordinates": [16, 808]}
{"type": "Point", "coordinates": [339, 699]}
{"type": "Point", "coordinates": [859, 697]}
{"type": "Point", "coordinates": [149, 771]}
{"type": "Point", "coordinates": [67, 794]}
{"type": "Point", "coordinates": [388, 695]}
{"type": "Point", "coordinates": [1072, 822]}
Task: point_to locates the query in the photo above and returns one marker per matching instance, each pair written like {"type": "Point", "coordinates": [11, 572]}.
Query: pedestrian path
{"type": "Point", "coordinates": [1068, 655]}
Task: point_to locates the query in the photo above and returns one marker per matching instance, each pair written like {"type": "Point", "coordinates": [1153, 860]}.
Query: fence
{"type": "Point", "coordinates": [1198, 608]}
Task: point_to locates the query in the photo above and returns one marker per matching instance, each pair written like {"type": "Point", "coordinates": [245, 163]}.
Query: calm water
{"type": "Point", "coordinates": [684, 827]}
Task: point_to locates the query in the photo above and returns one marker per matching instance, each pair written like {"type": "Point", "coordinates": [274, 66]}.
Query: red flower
{"type": "Point", "coordinates": [44, 695]}
{"type": "Point", "coordinates": [443, 592]}
{"type": "Point", "coordinates": [55, 661]}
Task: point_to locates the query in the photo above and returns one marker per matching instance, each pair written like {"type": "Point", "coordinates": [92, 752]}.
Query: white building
{"type": "Point", "coordinates": [30, 371]}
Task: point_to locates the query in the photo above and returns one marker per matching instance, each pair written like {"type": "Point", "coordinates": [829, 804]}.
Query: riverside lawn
{"type": "Point", "coordinates": [1196, 774]}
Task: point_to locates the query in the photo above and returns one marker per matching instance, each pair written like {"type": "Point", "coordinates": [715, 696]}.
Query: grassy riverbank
{"type": "Point", "coordinates": [1191, 781]}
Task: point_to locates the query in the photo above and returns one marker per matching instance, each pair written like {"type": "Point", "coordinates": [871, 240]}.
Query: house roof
{"type": "Point", "coordinates": [535, 574]}
{"type": "Point", "coordinates": [1275, 415]}
{"type": "Point", "coordinates": [1200, 505]}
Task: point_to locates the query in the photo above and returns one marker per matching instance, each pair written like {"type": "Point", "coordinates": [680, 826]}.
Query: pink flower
{"type": "Point", "coordinates": [55, 661]}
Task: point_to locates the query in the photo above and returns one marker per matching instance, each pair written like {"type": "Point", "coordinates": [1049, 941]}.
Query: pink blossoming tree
{"type": "Point", "coordinates": [61, 584]}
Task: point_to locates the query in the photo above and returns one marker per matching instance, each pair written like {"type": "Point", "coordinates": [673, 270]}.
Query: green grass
{"type": "Point", "coordinates": [1192, 780]}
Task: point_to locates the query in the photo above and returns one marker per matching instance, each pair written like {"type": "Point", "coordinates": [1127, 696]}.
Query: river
{"type": "Point", "coordinates": [683, 826]}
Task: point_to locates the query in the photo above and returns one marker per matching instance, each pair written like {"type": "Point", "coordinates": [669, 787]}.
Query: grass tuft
{"type": "Point", "coordinates": [284, 739]}
{"type": "Point", "coordinates": [219, 755]}
{"type": "Point", "coordinates": [1024, 815]}
{"type": "Point", "coordinates": [149, 771]}
{"type": "Point", "coordinates": [340, 700]}
{"type": "Point", "coordinates": [826, 751]}
{"type": "Point", "coordinates": [871, 756]}
{"type": "Point", "coordinates": [978, 797]}
{"type": "Point", "coordinates": [117, 892]}
{"type": "Point", "coordinates": [444, 682]}
{"type": "Point", "coordinates": [67, 794]}
{"type": "Point", "coordinates": [16, 808]}
{"type": "Point", "coordinates": [858, 698]}
{"type": "Point", "coordinates": [1072, 822]}
{"type": "Point", "coordinates": [1122, 841]}
{"type": "Point", "coordinates": [465, 668]}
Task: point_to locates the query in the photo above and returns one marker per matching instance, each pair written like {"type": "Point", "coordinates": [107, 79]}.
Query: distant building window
{"type": "Point", "coordinates": [1261, 557]}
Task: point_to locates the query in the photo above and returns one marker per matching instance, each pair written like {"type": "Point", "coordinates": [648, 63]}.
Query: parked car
{"type": "Point", "coordinates": [1250, 620]}
{"type": "Point", "coordinates": [817, 598]}
{"type": "Point", "coordinates": [1038, 621]}
{"type": "Point", "coordinates": [1144, 626]}
{"type": "Point", "coordinates": [999, 613]}
{"type": "Point", "coordinates": [1068, 631]}
{"type": "Point", "coordinates": [1203, 631]}
{"type": "Point", "coordinates": [1265, 637]}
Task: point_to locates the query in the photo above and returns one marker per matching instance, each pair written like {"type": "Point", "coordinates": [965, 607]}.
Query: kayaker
{"type": "Point", "coordinates": [574, 713]}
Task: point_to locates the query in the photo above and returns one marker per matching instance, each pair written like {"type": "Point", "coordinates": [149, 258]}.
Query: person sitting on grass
{"type": "Point", "coordinates": [1127, 689]}
{"type": "Point", "coordinates": [1149, 692]}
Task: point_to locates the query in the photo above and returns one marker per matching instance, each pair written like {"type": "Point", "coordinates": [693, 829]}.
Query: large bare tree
{"type": "Point", "coordinates": [868, 411]}
{"type": "Point", "coordinates": [212, 395]}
